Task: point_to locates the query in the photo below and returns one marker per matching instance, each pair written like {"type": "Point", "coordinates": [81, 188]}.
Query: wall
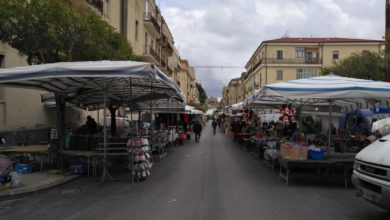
{"type": "Point", "coordinates": [345, 51]}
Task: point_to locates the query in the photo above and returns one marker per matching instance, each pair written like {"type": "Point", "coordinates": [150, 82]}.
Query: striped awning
{"type": "Point", "coordinates": [84, 83]}
{"type": "Point", "coordinates": [329, 87]}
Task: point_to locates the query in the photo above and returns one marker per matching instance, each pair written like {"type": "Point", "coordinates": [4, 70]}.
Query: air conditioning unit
{"type": "Point", "coordinates": [335, 61]}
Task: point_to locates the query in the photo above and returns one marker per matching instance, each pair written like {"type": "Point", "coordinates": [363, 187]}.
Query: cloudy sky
{"type": "Point", "coordinates": [227, 32]}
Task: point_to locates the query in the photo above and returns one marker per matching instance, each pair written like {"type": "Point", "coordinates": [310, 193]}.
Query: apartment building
{"type": "Point", "coordinates": [224, 99]}
{"type": "Point", "coordinates": [22, 109]}
{"type": "Point", "coordinates": [185, 78]}
{"type": "Point", "coordinates": [286, 59]}
{"type": "Point", "coordinates": [234, 92]}
{"type": "Point", "coordinates": [212, 102]}
{"type": "Point", "coordinates": [140, 21]}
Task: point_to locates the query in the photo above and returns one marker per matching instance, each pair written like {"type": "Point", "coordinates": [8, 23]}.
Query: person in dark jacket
{"type": "Point", "coordinates": [214, 125]}
{"type": "Point", "coordinates": [198, 130]}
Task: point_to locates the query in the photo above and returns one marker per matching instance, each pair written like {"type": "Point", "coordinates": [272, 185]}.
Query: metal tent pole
{"type": "Point", "coordinates": [330, 125]}
{"type": "Point", "coordinates": [123, 112]}
{"type": "Point", "coordinates": [105, 163]}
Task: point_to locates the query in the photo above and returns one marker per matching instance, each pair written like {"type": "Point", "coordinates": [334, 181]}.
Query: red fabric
{"type": "Point", "coordinates": [185, 118]}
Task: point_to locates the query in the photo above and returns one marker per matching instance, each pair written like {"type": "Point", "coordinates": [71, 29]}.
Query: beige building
{"type": "Point", "coordinates": [185, 78]}
{"type": "Point", "coordinates": [149, 35]}
{"type": "Point", "coordinates": [142, 23]}
{"type": "Point", "coordinates": [22, 109]}
{"type": "Point", "coordinates": [212, 102]}
{"type": "Point", "coordinates": [296, 58]}
{"type": "Point", "coordinates": [224, 99]}
{"type": "Point", "coordinates": [234, 92]}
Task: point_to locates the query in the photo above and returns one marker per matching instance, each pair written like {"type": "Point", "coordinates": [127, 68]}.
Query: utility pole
{"type": "Point", "coordinates": [387, 39]}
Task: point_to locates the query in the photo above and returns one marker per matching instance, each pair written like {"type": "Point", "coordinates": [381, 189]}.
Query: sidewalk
{"type": "Point", "coordinates": [38, 181]}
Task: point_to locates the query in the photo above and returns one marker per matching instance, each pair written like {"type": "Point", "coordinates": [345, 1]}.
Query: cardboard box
{"type": "Point", "coordinates": [289, 152]}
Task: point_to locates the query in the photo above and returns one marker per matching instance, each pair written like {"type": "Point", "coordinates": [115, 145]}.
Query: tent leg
{"type": "Point", "coordinates": [60, 105]}
{"type": "Point", "coordinates": [105, 173]}
{"type": "Point", "coordinates": [330, 126]}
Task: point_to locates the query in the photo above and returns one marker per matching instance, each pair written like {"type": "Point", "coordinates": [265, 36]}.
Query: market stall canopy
{"type": "Point", "coordinates": [84, 83]}
{"type": "Point", "coordinates": [255, 101]}
{"type": "Point", "coordinates": [211, 112]}
{"type": "Point", "coordinates": [158, 106]}
{"type": "Point", "coordinates": [193, 111]}
{"type": "Point", "coordinates": [329, 87]}
{"type": "Point", "coordinates": [237, 106]}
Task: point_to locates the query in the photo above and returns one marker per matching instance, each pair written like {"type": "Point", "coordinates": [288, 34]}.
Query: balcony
{"type": "Point", "coordinates": [151, 24]}
{"type": "Point", "coordinates": [96, 4]}
{"type": "Point", "coordinates": [166, 46]}
{"type": "Point", "coordinates": [151, 55]}
{"type": "Point", "coordinates": [293, 61]}
{"type": "Point", "coordinates": [163, 65]}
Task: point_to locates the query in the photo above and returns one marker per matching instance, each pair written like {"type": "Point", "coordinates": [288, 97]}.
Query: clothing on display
{"type": "Point", "coordinates": [140, 153]}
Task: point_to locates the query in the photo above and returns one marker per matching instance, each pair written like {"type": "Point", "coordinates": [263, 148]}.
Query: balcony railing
{"type": "Point", "coordinates": [98, 4]}
{"type": "Point", "coordinates": [291, 61]}
{"type": "Point", "coordinates": [149, 18]}
{"type": "Point", "coordinates": [284, 61]}
{"type": "Point", "coordinates": [149, 51]}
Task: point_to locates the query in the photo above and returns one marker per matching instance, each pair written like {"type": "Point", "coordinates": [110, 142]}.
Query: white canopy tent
{"type": "Point", "coordinates": [92, 83]}
{"type": "Point", "coordinates": [330, 89]}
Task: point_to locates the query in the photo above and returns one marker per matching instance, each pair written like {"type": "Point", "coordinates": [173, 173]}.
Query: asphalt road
{"type": "Point", "coordinates": [209, 180]}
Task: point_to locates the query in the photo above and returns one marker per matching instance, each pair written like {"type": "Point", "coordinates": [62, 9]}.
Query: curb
{"type": "Point", "coordinates": [26, 190]}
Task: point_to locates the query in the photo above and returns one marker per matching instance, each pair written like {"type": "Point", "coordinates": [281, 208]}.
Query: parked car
{"type": "Point", "coordinates": [371, 174]}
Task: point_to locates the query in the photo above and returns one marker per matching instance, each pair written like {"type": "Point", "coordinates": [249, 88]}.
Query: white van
{"type": "Point", "coordinates": [371, 174]}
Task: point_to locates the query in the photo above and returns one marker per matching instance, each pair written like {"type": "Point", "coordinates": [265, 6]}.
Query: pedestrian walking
{"type": "Point", "coordinates": [198, 130]}
{"type": "Point", "coordinates": [214, 124]}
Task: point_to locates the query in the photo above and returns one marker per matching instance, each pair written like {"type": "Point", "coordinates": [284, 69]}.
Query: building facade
{"type": "Point", "coordinates": [185, 78]}
{"type": "Point", "coordinates": [140, 21]}
{"type": "Point", "coordinates": [296, 58]}
{"type": "Point", "coordinates": [234, 92]}
{"type": "Point", "coordinates": [22, 109]}
{"type": "Point", "coordinates": [212, 102]}
{"type": "Point", "coordinates": [224, 99]}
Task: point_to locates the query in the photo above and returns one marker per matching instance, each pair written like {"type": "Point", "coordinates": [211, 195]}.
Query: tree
{"type": "Point", "coordinates": [49, 31]}
{"type": "Point", "coordinates": [202, 93]}
{"type": "Point", "coordinates": [366, 65]}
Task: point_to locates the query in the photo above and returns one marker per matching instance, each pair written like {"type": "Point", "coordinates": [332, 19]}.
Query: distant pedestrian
{"type": "Point", "coordinates": [214, 124]}
{"type": "Point", "coordinates": [91, 125]}
{"type": "Point", "coordinates": [198, 130]}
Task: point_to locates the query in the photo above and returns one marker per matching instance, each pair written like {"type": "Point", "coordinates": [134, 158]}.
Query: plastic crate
{"type": "Point", "coordinates": [23, 168]}
{"type": "Point", "coordinates": [315, 155]}
{"type": "Point", "coordinates": [78, 169]}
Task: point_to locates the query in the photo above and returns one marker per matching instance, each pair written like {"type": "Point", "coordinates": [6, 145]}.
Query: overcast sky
{"type": "Point", "coordinates": [227, 32]}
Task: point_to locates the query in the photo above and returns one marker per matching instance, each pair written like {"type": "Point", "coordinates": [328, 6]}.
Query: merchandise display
{"type": "Point", "coordinates": [140, 155]}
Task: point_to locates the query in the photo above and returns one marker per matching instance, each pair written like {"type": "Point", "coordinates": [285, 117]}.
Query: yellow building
{"type": "Point", "coordinates": [234, 92]}
{"type": "Point", "coordinates": [140, 21]}
{"type": "Point", "coordinates": [212, 102]}
{"type": "Point", "coordinates": [22, 109]}
{"type": "Point", "coordinates": [185, 78]}
{"type": "Point", "coordinates": [296, 58]}
{"type": "Point", "coordinates": [224, 99]}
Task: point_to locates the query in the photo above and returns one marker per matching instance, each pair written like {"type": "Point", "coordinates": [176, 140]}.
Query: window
{"type": "Point", "coordinates": [2, 61]}
{"type": "Point", "coordinates": [307, 73]}
{"type": "Point", "coordinates": [279, 75]}
{"type": "Point", "coordinates": [335, 56]}
{"type": "Point", "coordinates": [300, 52]}
{"type": "Point", "coordinates": [136, 30]}
{"type": "Point", "coordinates": [123, 18]}
{"type": "Point", "coordinates": [309, 56]}
{"type": "Point", "coordinates": [279, 54]}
